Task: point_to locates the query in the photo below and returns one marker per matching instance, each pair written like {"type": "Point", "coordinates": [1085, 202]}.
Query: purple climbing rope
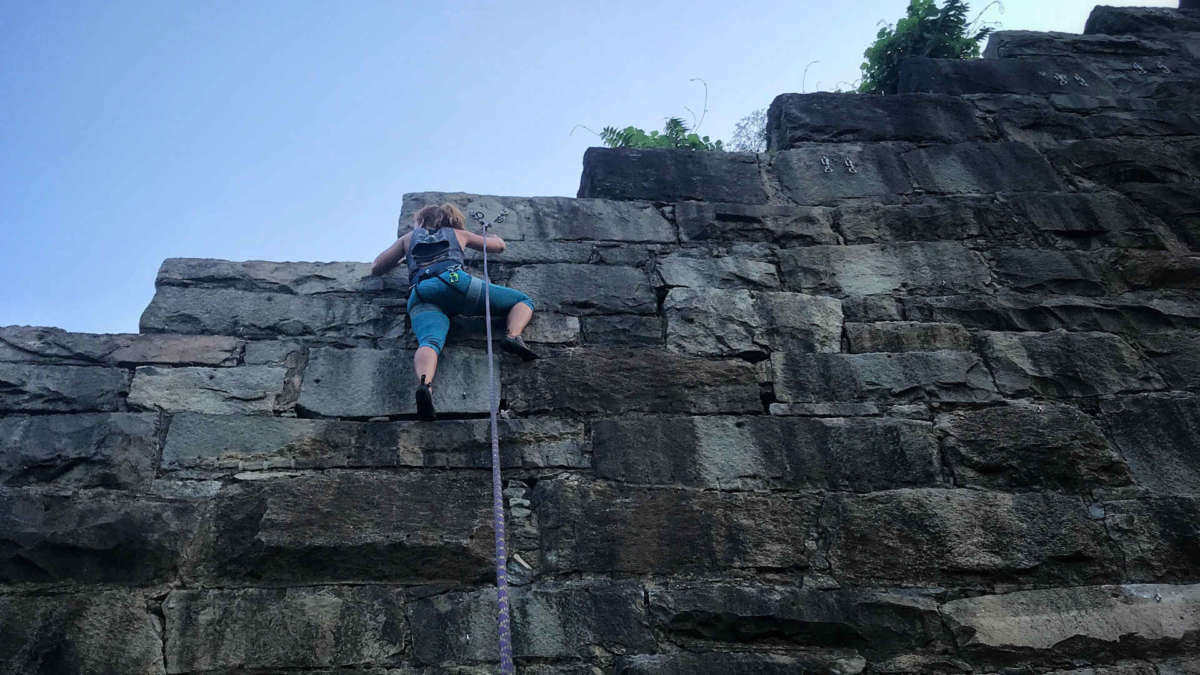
{"type": "Point", "coordinates": [502, 619]}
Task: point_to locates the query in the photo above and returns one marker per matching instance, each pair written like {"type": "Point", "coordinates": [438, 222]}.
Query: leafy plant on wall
{"type": "Point", "coordinates": [675, 135]}
{"type": "Point", "coordinates": [924, 31]}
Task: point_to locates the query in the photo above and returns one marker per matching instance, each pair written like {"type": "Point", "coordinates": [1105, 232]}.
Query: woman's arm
{"type": "Point", "coordinates": [468, 239]}
{"type": "Point", "coordinates": [391, 256]}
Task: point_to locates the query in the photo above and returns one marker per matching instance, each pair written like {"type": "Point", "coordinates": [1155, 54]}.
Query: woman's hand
{"type": "Point", "coordinates": [391, 256]}
{"type": "Point", "coordinates": [468, 239]}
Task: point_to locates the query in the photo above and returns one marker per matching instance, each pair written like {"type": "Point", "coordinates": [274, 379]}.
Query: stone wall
{"type": "Point", "coordinates": [916, 391]}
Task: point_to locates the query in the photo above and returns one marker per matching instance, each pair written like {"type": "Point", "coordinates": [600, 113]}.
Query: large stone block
{"type": "Point", "coordinates": [283, 628]}
{"type": "Point", "coordinates": [53, 345]}
{"type": "Point", "coordinates": [1030, 445]}
{"type": "Point", "coordinates": [1174, 354]}
{"type": "Point", "coordinates": [377, 382]}
{"type": "Point", "coordinates": [112, 450]}
{"type": "Point", "coordinates": [1064, 364]}
{"type": "Point", "coordinates": [549, 621]}
{"type": "Point", "coordinates": [1158, 435]}
{"type": "Point", "coordinates": [1078, 220]}
{"type": "Point", "coordinates": [780, 224]}
{"type": "Point", "coordinates": [938, 376]}
{"type": "Point", "coordinates": [1158, 536]}
{"type": "Point", "coordinates": [672, 175]}
{"type": "Point", "coordinates": [1177, 204]}
{"type": "Point", "coordinates": [1067, 273]}
{"type": "Point", "coordinates": [39, 388]}
{"type": "Point", "coordinates": [1138, 618]}
{"type": "Point", "coordinates": [665, 530]}
{"type": "Point", "coordinates": [587, 289]}
{"type": "Point", "coordinates": [1114, 162]}
{"type": "Point", "coordinates": [289, 278]}
{"type": "Point", "coordinates": [552, 218]}
{"type": "Point", "coordinates": [946, 218]}
{"type": "Point", "coordinates": [1130, 313]}
{"type": "Point", "coordinates": [1159, 270]}
{"type": "Point", "coordinates": [708, 322]}
{"type": "Point", "coordinates": [823, 117]}
{"type": "Point", "coordinates": [981, 167]}
{"type": "Point", "coordinates": [1044, 126]}
{"type": "Point", "coordinates": [959, 537]}
{"type": "Point", "coordinates": [817, 662]}
{"type": "Point", "coordinates": [96, 632]}
{"type": "Point", "coordinates": [859, 454]}
{"type": "Point", "coordinates": [622, 330]}
{"type": "Point", "coordinates": [905, 336]}
{"type": "Point", "coordinates": [867, 269]}
{"type": "Point", "coordinates": [606, 381]}
{"type": "Point", "coordinates": [1009, 44]}
{"type": "Point", "coordinates": [247, 390]}
{"type": "Point", "coordinates": [1140, 21]}
{"type": "Point", "coordinates": [352, 526]}
{"type": "Point", "coordinates": [230, 443]}
{"type": "Point", "coordinates": [226, 311]}
{"type": "Point", "coordinates": [94, 537]}
{"type": "Point", "coordinates": [717, 272]}
{"type": "Point", "coordinates": [1043, 76]}
{"type": "Point", "coordinates": [825, 173]}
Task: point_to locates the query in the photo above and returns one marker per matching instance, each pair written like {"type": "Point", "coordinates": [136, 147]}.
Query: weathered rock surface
{"type": "Point", "coordinates": [1140, 20]}
{"type": "Point", "coordinates": [719, 272]}
{"type": "Point", "coordinates": [112, 450]}
{"type": "Point", "coordinates": [665, 175]}
{"type": "Point", "coordinates": [782, 224]}
{"type": "Point", "coordinates": [905, 336]}
{"type": "Point", "coordinates": [1063, 364]}
{"type": "Point", "coordinates": [729, 323]}
{"type": "Point", "coordinates": [1041, 76]}
{"type": "Point", "coordinates": [343, 526]}
{"type": "Point", "coordinates": [1030, 445]}
{"type": "Point", "coordinates": [39, 388]}
{"type": "Point", "coordinates": [310, 627]}
{"type": "Point", "coordinates": [600, 381]}
{"type": "Point", "coordinates": [937, 375]}
{"type": "Point", "coordinates": [98, 537]}
{"type": "Point", "coordinates": [818, 662]}
{"type": "Point", "coordinates": [1151, 616]}
{"type": "Point", "coordinates": [670, 530]}
{"type": "Point", "coordinates": [859, 454]}
{"type": "Point", "coordinates": [586, 289]}
{"type": "Point", "coordinates": [932, 536]}
{"type": "Point", "coordinates": [854, 170]}
{"type": "Point", "coordinates": [30, 344]}
{"type": "Point", "coordinates": [981, 167]}
{"type": "Point", "coordinates": [799, 118]}
{"type": "Point", "coordinates": [866, 269]}
{"type": "Point", "coordinates": [95, 632]}
{"type": "Point", "coordinates": [248, 390]}
{"type": "Point", "coordinates": [1158, 435]}
{"type": "Point", "coordinates": [549, 621]}
{"type": "Point", "coordinates": [1158, 536]}
{"type": "Point", "coordinates": [1067, 273]}
{"type": "Point", "coordinates": [231, 443]}
{"type": "Point", "coordinates": [377, 382]}
{"type": "Point", "coordinates": [1023, 43]}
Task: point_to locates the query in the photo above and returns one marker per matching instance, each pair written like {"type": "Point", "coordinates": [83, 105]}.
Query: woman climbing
{"type": "Point", "coordinates": [441, 289]}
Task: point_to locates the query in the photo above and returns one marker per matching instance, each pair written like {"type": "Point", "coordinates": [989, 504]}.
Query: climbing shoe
{"type": "Point", "coordinates": [425, 402]}
{"type": "Point", "coordinates": [515, 345]}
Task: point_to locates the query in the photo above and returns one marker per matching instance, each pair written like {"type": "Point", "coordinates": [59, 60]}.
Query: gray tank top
{"type": "Point", "coordinates": [426, 249]}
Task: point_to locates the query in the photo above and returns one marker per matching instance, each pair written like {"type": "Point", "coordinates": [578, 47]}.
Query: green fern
{"type": "Point", "coordinates": [675, 135]}
{"type": "Point", "coordinates": [924, 31]}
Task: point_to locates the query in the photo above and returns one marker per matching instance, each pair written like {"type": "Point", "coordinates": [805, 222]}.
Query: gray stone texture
{"type": "Point", "coordinates": [905, 336]}
{"type": "Point", "coordinates": [553, 218]}
{"type": "Point", "coordinates": [666, 530]}
{"type": "Point", "coordinates": [1023, 43]}
{"type": "Point", "coordinates": [867, 269]}
{"type": "Point", "coordinates": [367, 383]}
{"type": "Point", "coordinates": [1174, 354]}
{"type": "Point", "coordinates": [111, 450]}
{"type": "Point", "coordinates": [707, 322]}
{"type": "Point", "coordinates": [247, 390]}
{"type": "Point", "coordinates": [1026, 445]}
{"type": "Point", "coordinates": [963, 537]}
{"type": "Point", "coordinates": [1159, 537]}
{"type": "Point", "coordinates": [35, 388]}
{"type": "Point", "coordinates": [1040, 270]}
{"type": "Point", "coordinates": [227, 444]}
{"type": "Point", "coordinates": [1140, 21]}
{"type": "Point", "coordinates": [855, 170]}
{"type": "Point", "coordinates": [1158, 435]}
{"type": "Point", "coordinates": [30, 344]}
{"type": "Point", "coordinates": [824, 117]}
{"type": "Point", "coordinates": [667, 175]}
{"type": "Point", "coordinates": [351, 525]}
{"type": "Point", "coordinates": [781, 224]}
{"type": "Point", "coordinates": [937, 376]}
{"type": "Point", "coordinates": [859, 454]}
{"type": "Point", "coordinates": [309, 627]}
{"type": "Point", "coordinates": [549, 621]}
{"type": "Point", "coordinates": [95, 632]}
{"type": "Point", "coordinates": [1065, 364]}
{"type": "Point", "coordinates": [586, 289]}
{"type": "Point", "coordinates": [606, 381]}
{"type": "Point", "coordinates": [1039, 76]}
{"type": "Point", "coordinates": [717, 272]}
{"type": "Point", "coordinates": [817, 662]}
{"type": "Point", "coordinates": [981, 167]}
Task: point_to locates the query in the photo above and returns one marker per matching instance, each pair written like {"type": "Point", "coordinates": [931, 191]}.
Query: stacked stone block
{"type": "Point", "coordinates": [915, 391]}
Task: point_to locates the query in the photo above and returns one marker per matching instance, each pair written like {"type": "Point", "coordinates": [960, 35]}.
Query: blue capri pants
{"type": "Point", "coordinates": [434, 300]}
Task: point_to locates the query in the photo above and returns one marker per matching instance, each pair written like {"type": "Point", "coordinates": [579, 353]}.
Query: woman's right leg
{"type": "Point", "coordinates": [430, 324]}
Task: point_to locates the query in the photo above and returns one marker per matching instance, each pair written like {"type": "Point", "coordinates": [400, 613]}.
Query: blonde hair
{"type": "Point", "coordinates": [434, 218]}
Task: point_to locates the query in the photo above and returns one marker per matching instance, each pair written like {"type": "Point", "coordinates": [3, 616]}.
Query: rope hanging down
{"type": "Point", "coordinates": [502, 619]}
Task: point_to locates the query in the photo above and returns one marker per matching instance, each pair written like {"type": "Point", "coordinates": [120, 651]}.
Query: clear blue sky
{"type": "Point", "coordinates": [135, 131]}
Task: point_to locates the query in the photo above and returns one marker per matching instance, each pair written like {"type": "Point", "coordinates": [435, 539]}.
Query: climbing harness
{"type": "Point", "coordinates": [502, 619]}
